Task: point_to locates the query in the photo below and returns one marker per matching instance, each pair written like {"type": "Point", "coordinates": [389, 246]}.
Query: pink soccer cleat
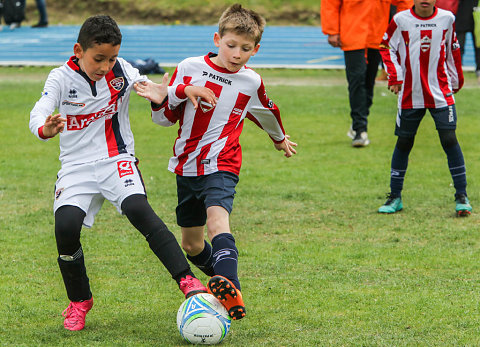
{"type": "Point", "coordinates": [190, 286]}
{"type": "Point", "coordinates": [75, 314]}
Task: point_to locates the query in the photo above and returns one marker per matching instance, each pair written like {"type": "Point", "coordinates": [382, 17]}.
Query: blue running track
{"type": "Point", "coordinates": [295, 46]}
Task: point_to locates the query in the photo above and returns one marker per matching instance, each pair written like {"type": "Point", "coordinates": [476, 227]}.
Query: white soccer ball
{"type": "Point", "coordinates": [202, 319]}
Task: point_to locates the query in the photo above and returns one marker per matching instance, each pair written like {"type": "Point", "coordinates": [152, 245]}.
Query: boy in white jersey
{"type": "Point", "coordinates": [91, 92]}
{"type": "Point", "coordinates": [207, 153]}
{"type": "Point", "coordinates": [422, 57]}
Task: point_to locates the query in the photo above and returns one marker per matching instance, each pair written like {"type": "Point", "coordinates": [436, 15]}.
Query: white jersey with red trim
{"type": "Point", "coordinates": [98, 125]}
{"type": "Point", "coordinates": [423, 54]}
{"type": "Point", "coordinates": [208, 138]}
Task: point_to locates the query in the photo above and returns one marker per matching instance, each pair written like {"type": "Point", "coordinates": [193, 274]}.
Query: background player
{"type": "Point", "coordinates": [422, 58]}
{"type": "Point", "coordinates": [91, 92]}
{"type": "Point", "coordinates": [207, 154]}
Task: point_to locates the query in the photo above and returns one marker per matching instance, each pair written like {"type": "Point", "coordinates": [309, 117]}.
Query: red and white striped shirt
{"type": "Point", "coordinates": [208, 138]}
{"type": "Point", "coordinates": [424, 55]}
{"type": "Point", "coordinates": [98, 125]}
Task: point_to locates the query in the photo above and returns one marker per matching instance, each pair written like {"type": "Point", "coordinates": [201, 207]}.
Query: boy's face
{"type": "Point", "coordinates": [424, 8]}
{"type": "Point", "coordinates": [234, 50]}
{"type": "Point", "coordinates": [98, 60]}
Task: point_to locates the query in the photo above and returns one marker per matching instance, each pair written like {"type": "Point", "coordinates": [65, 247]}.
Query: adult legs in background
{"type": "Point", "coordinates": [42, 11]}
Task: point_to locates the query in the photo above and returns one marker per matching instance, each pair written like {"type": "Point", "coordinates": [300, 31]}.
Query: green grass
{"type": "Point", "coordinates": [319, 266]}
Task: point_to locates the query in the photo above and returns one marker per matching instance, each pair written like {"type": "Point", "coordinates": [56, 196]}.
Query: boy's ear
{"type": "Point", "coordinates": [255, 50]}
{"type": "Point", "coordinates": [216, 39]}
{"type": "Point", "coordinates": [78, 50]}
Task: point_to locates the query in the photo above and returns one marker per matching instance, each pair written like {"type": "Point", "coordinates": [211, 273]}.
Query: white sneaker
{"type": "Point", "coordinates": [361, 140]}
{"type": "Point", "coordinates": [351, 133]}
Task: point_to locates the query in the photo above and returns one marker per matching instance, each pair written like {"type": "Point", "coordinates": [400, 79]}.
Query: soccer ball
{"type": "Point", "coordinates": [202, 319]}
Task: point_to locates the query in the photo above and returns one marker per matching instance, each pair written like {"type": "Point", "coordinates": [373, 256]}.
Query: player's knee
{"type": "Point", "coordinates": [68, 225]}
{"type": "Point", "coordinates": [192, 247]}
{"type": "Point", "coordinates": [448, 138]}
{"type": "Point", "coordinates": [135, 207]}
{"type": "Point", "coordinates": [405, 144]}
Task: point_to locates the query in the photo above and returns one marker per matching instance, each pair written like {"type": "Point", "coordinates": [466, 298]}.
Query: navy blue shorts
{"type": "Point", "coordinates": [408, 120]}
{"type": "Point", "coordinates": [196, 194]}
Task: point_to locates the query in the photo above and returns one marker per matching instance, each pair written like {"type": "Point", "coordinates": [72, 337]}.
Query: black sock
{"type": "Point", "coordinates": [225, 257]}
{"type": "Point", "coordinates": [204, 260]}
{"type": "Point", "coordinates": [75, 276]}
{"type": "Point", "coordinates": [397, 172]}
{"type": "Point", "coordinates": [456, 164]}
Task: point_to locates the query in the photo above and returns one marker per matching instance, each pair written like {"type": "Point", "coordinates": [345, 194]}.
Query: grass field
{"type": "Point", "coordinates": [319, 266]}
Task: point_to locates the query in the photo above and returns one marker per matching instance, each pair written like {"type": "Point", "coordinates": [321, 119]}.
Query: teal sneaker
{"type": "Point", "coordinates": [463, 207]}
{"type": "Point", "coordinates": [392, 205]}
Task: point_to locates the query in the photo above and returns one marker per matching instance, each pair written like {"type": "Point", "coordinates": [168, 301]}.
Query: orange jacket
{"type": "Point", "coordinates": [360, 23]}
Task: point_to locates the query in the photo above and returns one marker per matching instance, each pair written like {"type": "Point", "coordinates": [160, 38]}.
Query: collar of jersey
{"type": "Point", "coordinates": [424, 18]}
{"type": "Point", "coordinates": [215, 66]}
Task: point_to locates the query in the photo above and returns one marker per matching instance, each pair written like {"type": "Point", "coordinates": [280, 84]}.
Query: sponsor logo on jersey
{"type": "Point", "coordinates": [124, 168]}
{"type": "Point", "coordinates": [117, 83]}
{"type": "Point", "coordinates": [71, 103]}
{"type": "Point", "coordinates": [81, 121]}
{"type": "Point", "coordinates": [44, 93]}
{"type": "Point", "coordinates": [205, 161]}
{"type": "Point", "coordinates": [72, 94]}
{"type": "Point", "coordinates": [217, 78]}
{"type": "Point", "coordinates": [58, 192]}
{"type": "Point", "coordinates": [425, 43]}
{"type": "Point", "coordinates": [428, 25]}
{"type": "Point", "coordinates": [455, 46]}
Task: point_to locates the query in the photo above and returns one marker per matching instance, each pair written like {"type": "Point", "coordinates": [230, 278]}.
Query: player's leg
{"type": "Point", "coordinates": [218, 194]}
{"type": "Point", "coordinates": [198, 250]}
{"type": "Point", "coordinates": [445, 120]}
{"type": "Point", "coordinates": [225, 285]}
{"type": "Point", "coordinates": [191, 217]}
{"type": "Point", "coordinates": [68, 224]}
{"type": "Point", "coordinates": [77, 200]}
{"type": "Point", "coordinates": [162, 242]}
{"type": "Point", "coordinates": [406, 128]}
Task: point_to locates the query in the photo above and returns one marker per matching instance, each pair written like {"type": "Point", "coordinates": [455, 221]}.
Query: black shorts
{"type": "Point", "coordinates": [408, 120]}
{"type": "Point", "coordinates": [196, 194]}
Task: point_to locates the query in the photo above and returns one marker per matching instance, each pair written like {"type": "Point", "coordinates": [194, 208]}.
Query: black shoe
{"type": "Point", "coordinates": [40, 25]}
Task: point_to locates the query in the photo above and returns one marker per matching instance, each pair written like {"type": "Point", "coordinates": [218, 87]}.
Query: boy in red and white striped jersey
{"type": "Point", "coordinates": [422, 58]}
{"type": "Point", "coordinates": [207, 153]}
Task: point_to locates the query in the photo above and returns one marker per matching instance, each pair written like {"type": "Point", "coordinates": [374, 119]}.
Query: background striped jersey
{"type": "Point", "coordinates": [208, 138]}
{"type": "Point", "coordinates": [424, 55]}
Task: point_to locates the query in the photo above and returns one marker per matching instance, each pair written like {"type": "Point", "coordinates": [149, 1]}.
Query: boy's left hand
{"type": "Point", "coordinates": [153, 91]}
{"type": "Point", "coordinates": [287, 146]}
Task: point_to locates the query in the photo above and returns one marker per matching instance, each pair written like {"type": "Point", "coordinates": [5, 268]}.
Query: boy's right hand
{"type": "Point", "coordinates": [195, 92]}
{"type": "Point", "coordinates": [53, 125]}
{"type": "Point", "coordinates": [153, 91]}
{"type": "Point", "coordinates": [395, 88]}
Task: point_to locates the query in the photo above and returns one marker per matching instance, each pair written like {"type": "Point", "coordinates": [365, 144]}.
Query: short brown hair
{"type": "Point", "coordinates": [241, 21]}
{"type": "Point", "coordinates": [97, 30]}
